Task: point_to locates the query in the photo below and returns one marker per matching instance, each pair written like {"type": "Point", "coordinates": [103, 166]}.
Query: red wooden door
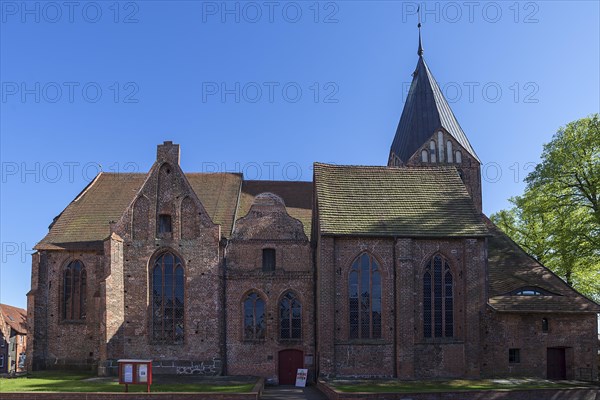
{"type": "Point", "coordinates": [289, 362]}
{"type": "Point", "coordinates": [557, 368]}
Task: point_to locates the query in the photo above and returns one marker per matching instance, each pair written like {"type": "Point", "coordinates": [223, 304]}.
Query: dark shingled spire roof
{"type": "Point", "coordinates": [425, 110]}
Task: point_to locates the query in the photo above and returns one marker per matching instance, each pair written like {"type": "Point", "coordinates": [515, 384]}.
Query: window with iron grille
{"type": "Point", "coordinates": [168, 299]}
{"type": "Point", "coordinates": [73, 305]}
{"type": "Point", "coordinates": [364, 297]}
{"type": "Point", "coordinates": [290, 317]}
{"type": "Point", "coordinates": [268, 260]}
{"type": "Point", "coordinates": [254, 317]}
{"type": "Point", "coordinates": [438, 299]}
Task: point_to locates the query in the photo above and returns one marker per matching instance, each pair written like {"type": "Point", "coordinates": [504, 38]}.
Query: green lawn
{"type": "Point", "coordinates": [58, 381]}
{"type": "Point", "coordinates": [392, 386]}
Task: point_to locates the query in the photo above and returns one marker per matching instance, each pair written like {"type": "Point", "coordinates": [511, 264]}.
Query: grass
{"type": "Point", "coordinates": [393, 386]}
{"type": "Point", "coordinates": [68, 381]}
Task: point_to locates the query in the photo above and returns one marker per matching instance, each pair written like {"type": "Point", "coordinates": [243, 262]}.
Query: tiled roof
{"type": "Point", "coordinates": [297, 197]}
{"type": "Point", "coordinates": [219, 195]}
{"type": "Point", "coordinates": [511, 268]}
{"type": "Point", "coordinates": [405, 201]}
{"type": "Point", "coordinates": [554, 304]}
{"type": "Point", "coordinates": [85, 221]}
{"type": "Point", "coordinates": [14, 317]}
{"type": "Point", "coordinates": [425, 110]}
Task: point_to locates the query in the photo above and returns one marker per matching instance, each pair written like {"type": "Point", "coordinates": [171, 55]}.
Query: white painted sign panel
{"type": "Point", "coordinates": [301, 376]}
{"type": "Point", "coordinates": [142, 373]}
{"type": "Point", "coordinates": [128, 373]}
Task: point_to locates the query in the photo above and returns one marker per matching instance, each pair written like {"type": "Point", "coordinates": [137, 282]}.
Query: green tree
{"type": "Point", "coordinates": [557, 219]}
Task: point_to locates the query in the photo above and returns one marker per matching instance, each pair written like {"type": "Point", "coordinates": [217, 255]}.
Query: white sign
{"type": "Point", "coordinates": [128, 373]}
{"type": "Point", "coordinates": [142, 373]}
{"type": "Point", "coordinates": [301, 376]}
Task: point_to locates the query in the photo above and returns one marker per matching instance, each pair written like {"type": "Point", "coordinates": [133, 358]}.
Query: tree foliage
{"type": "Point", "coordinates": [557, 219]}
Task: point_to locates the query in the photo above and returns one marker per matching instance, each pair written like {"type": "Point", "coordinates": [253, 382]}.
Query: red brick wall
{"type": "Point", "coordinates": [503, 331]}
{"type": "Point", "coordinates": [402, 338]}
{"type": "Point", "coordinates": [58, 342]}
{"type": "Point", "coordinates": [267, 225]}
{"type": "Point", "coordinates": [194, 239]}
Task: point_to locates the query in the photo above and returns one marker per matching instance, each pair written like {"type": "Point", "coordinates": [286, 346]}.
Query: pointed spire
{"type": "Point", "coordinates": [420, 51]}
{"type": "Point", "coordinates": [425, 111]}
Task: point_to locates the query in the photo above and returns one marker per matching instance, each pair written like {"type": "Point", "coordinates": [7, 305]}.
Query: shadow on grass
{"type": "Point", "coordinates": [64, 381]}
{"type": "Point", "coordinates": [389, 386]}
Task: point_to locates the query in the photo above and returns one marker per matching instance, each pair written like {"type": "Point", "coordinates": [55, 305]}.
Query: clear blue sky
{"type": "Point", "coordinates": [102, 83]}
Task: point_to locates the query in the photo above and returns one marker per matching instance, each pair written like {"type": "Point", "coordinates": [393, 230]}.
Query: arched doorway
{"type": "Point", "coordinates": [289, 362]}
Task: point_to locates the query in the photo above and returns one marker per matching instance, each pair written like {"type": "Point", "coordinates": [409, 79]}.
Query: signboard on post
{"type": "Point", "coordinates": [135, 372]}
{"type": "Point", "coordinates": [301, 377]}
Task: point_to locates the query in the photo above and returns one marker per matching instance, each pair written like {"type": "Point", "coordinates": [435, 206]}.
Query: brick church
{"type": "Point", "coordinates": [367, 271]}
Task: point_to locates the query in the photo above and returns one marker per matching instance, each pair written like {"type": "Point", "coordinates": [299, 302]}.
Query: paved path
{"type": "Point", "coordinates": [292, 393]}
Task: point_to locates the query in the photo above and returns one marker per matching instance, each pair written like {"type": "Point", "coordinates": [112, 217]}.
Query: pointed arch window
{"type": "Point", "coordinates": [432, 151]}
{"type": "Point", "coordinates": [74, 292]}
{"type": "Point", "coordinates": [254, 317]}
{"type": "Point", "coordinates": [449, 152]}
{"type": "Point", "coordinates": [438, 299]}
{"type": "Point", "coordinates": [364, 284]}
{"type": "Point", "coordinates": [458, 156]}
{"type": "Point", "coordinates": [168, 299]}
{"type": "Point", "coordinates": [290, 317]}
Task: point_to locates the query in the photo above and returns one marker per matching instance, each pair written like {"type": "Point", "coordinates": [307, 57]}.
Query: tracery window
{"type": "Point", "coordinates": [438, 299]}
{"type": "Point", "coordinates": [168, 299]}
{"type": "Point", "coordinates": [364, 284]}
{"type": "Point", "coordinates": [290, 317]}
{"type": "Point", "coordinates": [74, 291]}
{"type": "Point", "coordinates": [254, 317]}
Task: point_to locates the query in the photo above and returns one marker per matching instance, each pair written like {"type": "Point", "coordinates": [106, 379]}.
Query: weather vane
{"type": "Point", "coordinates": [420, 51]}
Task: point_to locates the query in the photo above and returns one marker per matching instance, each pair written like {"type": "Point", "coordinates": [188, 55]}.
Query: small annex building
{"type": "Point", "coordinates": [13, 339]}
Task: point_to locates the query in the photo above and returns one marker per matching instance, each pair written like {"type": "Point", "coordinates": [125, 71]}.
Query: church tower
{"type": "Point", "coordinates": [428, 133]}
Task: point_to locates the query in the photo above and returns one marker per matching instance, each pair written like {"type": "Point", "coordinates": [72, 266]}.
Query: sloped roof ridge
{"type": "Point", "coordinates": [447, 118]}
{"type": "Point", "coordinates": [276, 181]}
{"type": "Point", "coordinates": [442, 167]}
{"type": "Point", "coordinates": [495, 230]}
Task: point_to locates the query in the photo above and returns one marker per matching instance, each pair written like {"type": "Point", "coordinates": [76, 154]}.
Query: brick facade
{"type": "Point", "coordinates": [221, 269]}
{"type": "Point", "coordinates": [196, 271]}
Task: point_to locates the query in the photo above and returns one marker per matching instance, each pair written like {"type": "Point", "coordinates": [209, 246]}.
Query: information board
{"type": "Point", "coordinates": [142, 373]}
{"type": "Point", "coordinates": [128, 373]}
